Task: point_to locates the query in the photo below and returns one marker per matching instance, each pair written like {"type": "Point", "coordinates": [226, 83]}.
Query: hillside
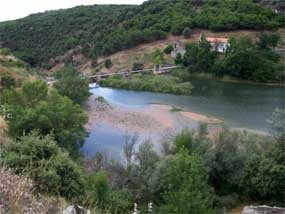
{"type": "Point", "coordinates": [13, 71]}
{"type": "Point", "coordinates": [124, 60]}
{"type": "Point", "coordinates": [100, 30]}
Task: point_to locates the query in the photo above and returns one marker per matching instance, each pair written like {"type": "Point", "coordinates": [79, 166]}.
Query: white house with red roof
{"type": "Point", "coordinates": [219, 45]}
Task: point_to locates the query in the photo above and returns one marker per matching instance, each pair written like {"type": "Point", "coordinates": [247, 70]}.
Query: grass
{"type": "Point", "coordinates": [150, 82]}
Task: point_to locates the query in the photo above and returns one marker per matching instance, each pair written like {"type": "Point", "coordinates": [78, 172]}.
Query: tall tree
{"type": "Point", "coordinates": [186, 186]}
{"type": "Point", "coordinates": [34, 108]}
{"type": "Point", "coordinates": [71, 84]}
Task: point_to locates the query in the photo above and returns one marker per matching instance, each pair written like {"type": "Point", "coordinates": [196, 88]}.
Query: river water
{"type": "Point", "coordinates": [239, 105]}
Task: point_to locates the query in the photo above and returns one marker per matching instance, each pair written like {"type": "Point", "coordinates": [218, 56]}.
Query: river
{"type": "Point", "coordinates": [239, 105]}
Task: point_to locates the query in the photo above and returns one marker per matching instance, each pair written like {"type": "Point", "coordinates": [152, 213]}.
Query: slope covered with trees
{"type": "Point", "coordinates": [104, 29]}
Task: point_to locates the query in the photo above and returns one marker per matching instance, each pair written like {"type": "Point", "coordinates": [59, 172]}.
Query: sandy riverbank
{"type": "Point", "coordinates": [152, 118]}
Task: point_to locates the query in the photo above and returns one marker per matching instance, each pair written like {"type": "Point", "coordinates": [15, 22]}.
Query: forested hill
{"type": "Point", "coordinates": [104, 29]}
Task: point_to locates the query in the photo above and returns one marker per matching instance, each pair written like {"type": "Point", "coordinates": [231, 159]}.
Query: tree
{"type": "Point", "coordinates": [198, 57]}
{"type": "Point", "coordinates": [187, 32]}
{"type": "Point", "coordinates": [225, 162]}
{"type": "Point", "coordinates": [246, 61]}
{"type": "Point", "coordinates": [205, 55]}
{"type": "Point", "coordinates": [51, 168]}
{"type": "Point", "coordinates": [7, 81]}
{"type": "Point", "coordinates": [157, 57]}
{"type": "Point", "coordinates": [98, 188]}
{"type": "Point", "coordinates": [268, 40]}
{"type": "Point", "coordinates": [146, 159]}
{"type": "Point", "coordinates": [168, 49]}
{"type": "Point", "coordinates": [186, 141]}
{"type": "Point", "coordinates": [34, 108]}
{"type": "Point", "coordinates": [108, 63]}
{"type": "Point", "coordinates": [137, 66]}
{"type": "Point", "coordinates": [178, 59]}
{"type": "Point", "coordinates": [186, 186]}
{"type": "Point", "coordinates": [129, 146]}
{"type": "Point", "coordinates": [70, 84]}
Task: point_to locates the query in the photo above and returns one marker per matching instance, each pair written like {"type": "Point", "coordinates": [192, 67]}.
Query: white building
{"type": "Point", "coordinates": [219, 45]}
{"type": "Point", "coordinates": [179, 48]}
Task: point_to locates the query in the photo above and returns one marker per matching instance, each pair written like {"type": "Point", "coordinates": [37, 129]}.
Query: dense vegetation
{"type": "Point", "coordinates": [13, 72]}
{"type": "Point", "coordinates": [244, 59]}
{"type": "Point", "coordinates": [188, 174]}
{"type": "Point", "coordinates": [104, 29]}
{"type": "Point", "coordinates": [36, 108]}
{"type": "Point", "coordinates": [149, 82]}
{"type": "Point", "coordinates": [70, 84]}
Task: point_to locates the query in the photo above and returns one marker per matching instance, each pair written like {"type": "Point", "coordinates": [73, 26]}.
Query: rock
{"type": "Point", "coordinates": [76, 209]}
{"type": "Point", "coordinates": [263, 210]}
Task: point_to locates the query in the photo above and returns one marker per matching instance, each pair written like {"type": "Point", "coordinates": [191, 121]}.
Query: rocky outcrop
{"type": "Point", "coordinates": [263, 210]}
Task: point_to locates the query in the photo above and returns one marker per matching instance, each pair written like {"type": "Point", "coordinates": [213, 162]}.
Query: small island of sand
{"type": "Point", "coordinates": [152, 118]}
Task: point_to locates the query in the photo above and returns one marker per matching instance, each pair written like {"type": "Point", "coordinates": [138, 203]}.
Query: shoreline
{"type": "Point", "coordinates": [153, 118]}
{"type": "Point", "coordinates": [228, 79]}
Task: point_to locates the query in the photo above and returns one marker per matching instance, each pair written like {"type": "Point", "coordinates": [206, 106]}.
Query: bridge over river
{"type": "Point", "coordinates": [94, 78]}
{"type": "Point", "coordinates": [156, 70]}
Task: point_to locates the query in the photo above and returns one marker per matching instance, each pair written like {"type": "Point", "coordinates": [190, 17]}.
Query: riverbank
{"type": "Point", "coordinates": [153, 118]}
{"type": "Point", "coordinates": [150, 82]}
{"type": "Point", "coordinates": [229, 79]}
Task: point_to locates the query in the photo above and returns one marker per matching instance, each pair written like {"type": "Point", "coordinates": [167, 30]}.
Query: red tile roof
{"type": "Point", "coordinates": [217, 40]}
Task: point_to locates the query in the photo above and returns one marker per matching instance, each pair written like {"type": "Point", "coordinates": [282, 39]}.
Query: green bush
{"type": "Point", "coordinates": [7, 81]}
{"type": "Point", "coordinates": [187, 32]}
{"type": "Point", "coordinates": [150, 82]}
{"type": "Point", "coordinates": [168, 49]}
{"type": "Point", "coordinates": [137, 66]}
{"type": "Point", "coordinates": [108, 63]}
{"type": "Point", "coordinates": [51, 168]}
{"type": "Point", "coordinates": [186, 186]}
{"type": "Point", "coordinates": [34, 107]}
{"type": "Point", "coordinates": [70, 84]}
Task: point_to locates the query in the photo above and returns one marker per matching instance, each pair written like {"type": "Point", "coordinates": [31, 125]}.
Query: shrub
{"type": "Point", "coordinates": [52, 170]}
{"type": "Point", "coordinates": [71, 84]}
{"type": "Point", "coordinates": [186, 32]}
{"type": "Point", "coordinates": [168, 49]}
{"type": "Point", "coordinates": [108, 63]}
{"type": "Point", "coordinates": [18, 195]}
{"type": "Point", "coordinates": [7, 81]}
{"type": "Point", "coordinates": [137, 66]}
{"type": "Point", "coordinates": [34, 107]}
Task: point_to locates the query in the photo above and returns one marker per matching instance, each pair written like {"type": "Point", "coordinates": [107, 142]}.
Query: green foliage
{"type": "Point", "coordinates": [98, 187]}
{"type": "Point", "coordinates": [263, 176]}
{"type": "Point", "coordinates": [186, 185]}
{"type": "Point", "coordinates": [194, 145]}
{"type": "Point", "coordinates": [105, 29]}
{"type": "Point", "coordinates": [70, 84]}
{"type": "Point", "coordinates": [149, 82]}
{"type": "Point", "coordinates": [269, 40]}
{"type": "Point", "coordinates": [137, 66]}
{"type": "Point", "coordinates": [34, 108]}
{"type": "Point", "coordinates": [168, 49]}
{"type": "Point", "coordinates": [120, 201]}
{"type": "Point", "coordinates": [244, 59]}
{"type": "Point", "coordinates": [108, 63]}
{"type": "Point", "coordinates": [7, 81]}
{"type": "Point", "coordinates": [179, 59]}
{"type": "Point", "coordinates": [5, 51]}
{"type": "Point", "coordinates": [157, 57]}
{"type": "Point", "coordinates": [226, 162]}
{"type": "Point", "coordinates": [51, 168]}
{"type": "Point", "coordinates": [198, 57]}
{"type": "Point", "coordinates": [187, 32]}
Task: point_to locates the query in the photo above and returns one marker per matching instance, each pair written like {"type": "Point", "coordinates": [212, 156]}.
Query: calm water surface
{"type": "Point", "coordinates": [239, 105]}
